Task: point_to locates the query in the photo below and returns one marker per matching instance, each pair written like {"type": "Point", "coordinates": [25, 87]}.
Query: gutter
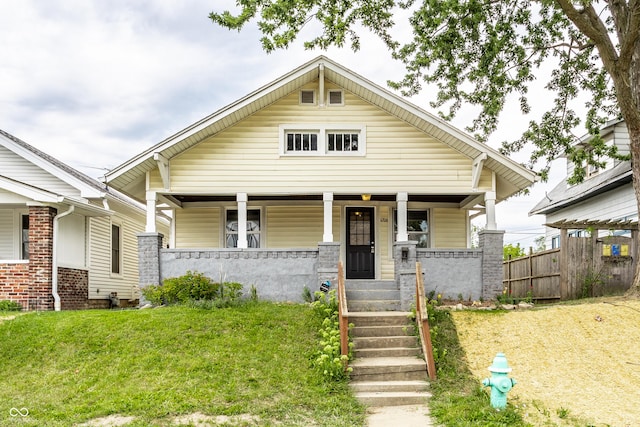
{"type": "Point", "coordinates": [57, 306]}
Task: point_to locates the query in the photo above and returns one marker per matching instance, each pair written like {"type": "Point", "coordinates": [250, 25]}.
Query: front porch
{"type": "Point", "coordinates": [282, 274]}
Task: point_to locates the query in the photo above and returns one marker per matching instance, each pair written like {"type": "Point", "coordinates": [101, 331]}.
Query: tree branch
{"type": "Point", "coordinates": [630, 39]}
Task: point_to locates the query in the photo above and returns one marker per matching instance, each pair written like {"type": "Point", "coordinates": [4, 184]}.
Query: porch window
{"type": "Point", "coordinates": [417, 226]}
{"type": "Point", "coordinates": [24, 236]}
{"type": "Point", "coordinates": [253, 228]}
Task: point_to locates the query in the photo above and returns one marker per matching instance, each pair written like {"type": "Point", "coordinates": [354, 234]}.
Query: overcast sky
{"type": "Point", "coordinates": [94, 83]}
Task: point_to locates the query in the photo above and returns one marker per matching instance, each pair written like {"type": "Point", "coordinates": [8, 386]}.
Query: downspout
{"type": "Point", "coordinates": [57, 306]}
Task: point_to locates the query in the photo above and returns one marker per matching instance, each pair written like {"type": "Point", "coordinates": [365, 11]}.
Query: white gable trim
{"type": "Point", "coordinates": [85, 189]}
{"type": "Point", "coordinates": [28, 191]}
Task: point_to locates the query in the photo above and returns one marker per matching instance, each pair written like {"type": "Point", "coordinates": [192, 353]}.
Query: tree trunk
{"type": "Point", "coordinates": [633, 125]}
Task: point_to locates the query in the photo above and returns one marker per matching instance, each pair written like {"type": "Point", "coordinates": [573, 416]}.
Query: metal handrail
{"type": "Point", "coordinates": [422, 319]}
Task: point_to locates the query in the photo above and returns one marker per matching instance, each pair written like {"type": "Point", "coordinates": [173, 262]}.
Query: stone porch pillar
{"type": "Point", "coordinates": [149, 245]}
{"type": "Point", "coordinates": [491, 242]}
{"type": "Point", "coordinates": [405, 257]}
{"type": "Point", "coordinates": [328, 258]}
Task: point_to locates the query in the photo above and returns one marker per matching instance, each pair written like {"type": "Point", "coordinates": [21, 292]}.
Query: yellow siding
{"type": "Point", "coordinates": [294, 226]}
{"type": "Point", "coordinates": [245, 157]}
{"type": "Point", "coordinates": [198, 228]}
{"type": "Point", "coordinates": [450, 228]}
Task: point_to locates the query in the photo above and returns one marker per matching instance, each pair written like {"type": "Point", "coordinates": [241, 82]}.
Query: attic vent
{"type": "Point", "coordinates": [335, 97]}
{"type": "Point", "coordinates": [307, 97]}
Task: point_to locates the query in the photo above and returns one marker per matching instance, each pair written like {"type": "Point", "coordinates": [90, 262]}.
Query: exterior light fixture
{"type": "Point", "coordinates": [366, 197]}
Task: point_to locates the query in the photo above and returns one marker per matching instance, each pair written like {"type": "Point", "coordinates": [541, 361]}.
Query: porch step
{"type": "Point", "coordinates": [366, 284]}
{"type": "Point", "coordinates": [373, 294]}
{"type": "Point", "coordinates": [373, 305]}
{"type": "Point", "coordinates": [387, 370]}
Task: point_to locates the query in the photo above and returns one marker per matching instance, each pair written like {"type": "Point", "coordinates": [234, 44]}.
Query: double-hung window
{"type": "Point", "coordinates": [116, 249]}
{"type": "Point", "coordinates": [322, 140]}
{"type": "Point", "coordinates": [253, 228]}
{"type": "Point", "coordinates": [417, 226]}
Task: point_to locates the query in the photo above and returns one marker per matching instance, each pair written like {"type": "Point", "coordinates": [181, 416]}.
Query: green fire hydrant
{"type": "Point", "coordinates": [499, 382]}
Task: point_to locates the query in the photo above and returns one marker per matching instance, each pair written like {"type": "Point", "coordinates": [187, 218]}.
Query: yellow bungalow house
{"type": "Point", "coordinates": [318, 166]}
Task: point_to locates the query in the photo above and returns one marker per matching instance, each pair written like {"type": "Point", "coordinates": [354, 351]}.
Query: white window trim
{"type": "Point", "coordinates": [308, 104]}
{"type": "Point", "coordinates": [117, 223]}
{"type": "Point", "coordinates": [392, 220]}
{"type": "Point", "coordinates": [17, 246]}
{"type": "Point", "coordinates": [323, 130]}
{"type": "Point", "coordinates": [340, 104]}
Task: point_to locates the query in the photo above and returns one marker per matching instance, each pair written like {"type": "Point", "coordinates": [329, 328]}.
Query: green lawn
{"type": "Point", "coordinates": [71, 367]}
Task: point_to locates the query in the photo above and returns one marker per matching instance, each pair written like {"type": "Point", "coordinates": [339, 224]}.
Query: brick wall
{"type": "Point", "coordinates": [41, 256]}
{"type": "Point", "coordinates": [14, 281]}
{"type": "Point", "coordinates": [73, 288]}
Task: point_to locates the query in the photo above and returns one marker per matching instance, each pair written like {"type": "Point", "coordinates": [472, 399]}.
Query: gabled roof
{"type": "Point", "coordinates": [130, 172]}
{"type": "Point", "coordinates": [564, 195]}
{"type": "Point", "coordinates": [89, 188]}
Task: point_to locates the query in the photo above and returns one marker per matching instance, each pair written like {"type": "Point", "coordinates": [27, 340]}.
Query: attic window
{"type": "Point", "coordinates": [336, 97]}
{"type": "Point", "coordinates": [299, 139]}
{"type": "Point", "coordinates": [307, 97]}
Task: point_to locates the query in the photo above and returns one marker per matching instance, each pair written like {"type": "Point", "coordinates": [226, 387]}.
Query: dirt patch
{"type": "Point", "coordinates": [110, 421]}
{"type": "Point", "coordinates": [580, 361]}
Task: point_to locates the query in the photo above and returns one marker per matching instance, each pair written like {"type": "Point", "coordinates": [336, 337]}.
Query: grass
{"type": "Point", "coordinates": [458, 399]}
{"type": "Point", "coordinates": [72, 367]}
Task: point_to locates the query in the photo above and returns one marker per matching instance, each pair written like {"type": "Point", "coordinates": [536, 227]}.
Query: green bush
{"type": "Point", "coordinates": [194, 286]}
{"type": "Point", "coordinates": [328, 359]}
{"type": "Point", "coordinates": [7, 305]}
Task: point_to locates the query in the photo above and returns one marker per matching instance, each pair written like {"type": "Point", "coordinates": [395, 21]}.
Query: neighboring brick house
{"type": "Point", "coordinates": [66, 240]}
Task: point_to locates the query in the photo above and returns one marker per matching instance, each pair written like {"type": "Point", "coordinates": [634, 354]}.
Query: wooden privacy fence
{"type": "Point", "coordinates": [581, 267]}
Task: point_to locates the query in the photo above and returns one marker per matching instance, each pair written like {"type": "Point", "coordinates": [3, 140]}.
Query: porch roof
{"type": "Point", "coordinates": [130, 174]}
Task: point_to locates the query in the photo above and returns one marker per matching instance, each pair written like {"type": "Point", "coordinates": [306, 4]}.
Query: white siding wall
{"type": "Point", "coordinates": [101, 281]}
{"type": "Point", "coordinates": [449, 228]}
{"type": "Point", "coordinates": [8, 235]}
{"type": "Point", "coordinates": [613, 205]}
{"type": "Point", "coordinates": [72, 241]}
{"type": "Point", "coordinates": [20, 169]}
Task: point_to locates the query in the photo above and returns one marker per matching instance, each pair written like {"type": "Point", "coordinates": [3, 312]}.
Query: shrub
{"type": "Point", "coordinates": [328, 359]}
{"type": "Point", "coordinates": [193, 286]}
{"type": "Point", "coordinates": [7, 305]}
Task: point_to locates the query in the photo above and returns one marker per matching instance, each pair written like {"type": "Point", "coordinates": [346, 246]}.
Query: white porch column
{"type": "Point", "coordinates": [490, 210]}
{"type": "Point", "coordinates": [402, 199]}
{"type": "Point", "coordinates": [152, 198]}
{"type": "Point", "coordinates": [327, 198]}
{"type": "Point", "coordinates": [242, 199]}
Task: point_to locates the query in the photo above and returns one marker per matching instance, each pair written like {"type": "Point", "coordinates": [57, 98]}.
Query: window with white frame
{"type": "Point", "coordinates": [116, 249]}
{"type": "Point", "coordinates": [24, 236]}
{"type": "Point", "coordinates": [417, 226]}
{"type": "Point", "coordinates": [318, 140]}
{"type": "Point", "coordinates": [253, 228]}
{"type": "Point", "coordinates": [555, 242]}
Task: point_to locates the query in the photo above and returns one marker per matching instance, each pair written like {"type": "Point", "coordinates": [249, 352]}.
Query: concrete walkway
{"type": "Point", "coordinates": [410, 415]}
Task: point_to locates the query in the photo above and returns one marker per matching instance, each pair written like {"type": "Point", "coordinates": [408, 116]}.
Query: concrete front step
{"type": "Point", "coordinates": [374, 305]}
{"type": "Point", "coordinates": [388, 352]}
{"type": "Point", "coordinates": [395, 386]}
{"type": "Point", "coordinates": [387, 318]}
{"type": "Point", "coordinates": [388, 369]}
{"type": "Point", "coordinates": [384, 342]}
{"type": "Point", "coordinates": [373, 295]}
{"type": "Point", "coordinates": [393, 398]}
{"type": "Point", "coordinates": [365, 284]}
{"type": "Point", "coordinates": [382, 331]}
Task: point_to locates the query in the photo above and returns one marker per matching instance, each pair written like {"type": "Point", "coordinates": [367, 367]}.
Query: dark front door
{"type": "Point", "coordinates": [360, 244]}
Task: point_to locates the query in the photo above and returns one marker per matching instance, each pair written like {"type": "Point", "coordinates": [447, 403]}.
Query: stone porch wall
{"type": "Point", "coordinates": [453, 273]}
{"type": "Point", "coordinates": [277, 274]}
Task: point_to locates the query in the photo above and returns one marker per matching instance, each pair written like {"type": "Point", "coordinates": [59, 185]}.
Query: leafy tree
{"type": "Point", "coordinates": [539, 244]}
{"type": "Point", "coordinates": [484, 52]}
{"type": "Point", "coordinates": [509, 251]}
